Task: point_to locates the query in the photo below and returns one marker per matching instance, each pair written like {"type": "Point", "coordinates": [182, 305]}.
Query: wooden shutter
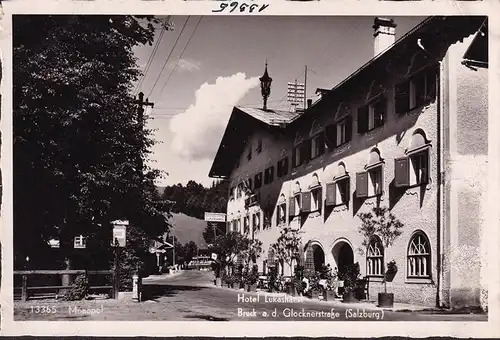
{"type": "Point", "coordinates": [291, 210]}
{"type": "Point", "coordinates": [320, 199]}
{"type": "Point", "coordinates": [363, 119]}
{"type": "Point", "coordinates": [362, 184]}
{"type": "Point", "coordinates": [306, 202]}
{"type": "Point", "coordinates": [347, 190]}
{"type": "Point", "coordinates": [403, 97]}
{"type": "Point", "coordinates": [331, 136]}
{"type": "Point", "coordinates": [380, 111]}
{"type": "Point", "coordinates": [331, 194]}
{"type": "Point", "coordinates": [321, 146]}
{"type": "Point", "coordinates": [348, 129]}
{"type": "Point", "coordinates": [401, 172]}
{"type": "Point", "coordinates": [305, 152]}
{"type": "Point", "coordinates": [284, 170]}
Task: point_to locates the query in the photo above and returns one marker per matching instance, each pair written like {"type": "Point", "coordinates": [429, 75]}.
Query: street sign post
{"type": "Point", "coordinates": [119, 233]}
{"type": "Point", "coordinates": [215, 217]}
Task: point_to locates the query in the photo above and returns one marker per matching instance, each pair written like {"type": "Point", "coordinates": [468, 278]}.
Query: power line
{"type": "Point", "coordinates": [180, 56]}
{"type": "Point", "coordinates": [151, 57]}
{"type": "Point", "coordinates": [168, 57]}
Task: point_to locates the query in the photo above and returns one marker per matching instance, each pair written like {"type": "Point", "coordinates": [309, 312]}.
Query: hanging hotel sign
{"type": "Point", "coordinates": [215, 217]}
{"type": "Point", "coordinates": [119, 233]}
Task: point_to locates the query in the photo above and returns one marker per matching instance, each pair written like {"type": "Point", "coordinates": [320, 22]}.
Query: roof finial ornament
{"type": "Point", "coordinates": [265, 86]}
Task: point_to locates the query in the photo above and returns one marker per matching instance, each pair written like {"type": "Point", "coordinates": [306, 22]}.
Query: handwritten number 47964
{"type": "Point", "coordinates": [242, 6]}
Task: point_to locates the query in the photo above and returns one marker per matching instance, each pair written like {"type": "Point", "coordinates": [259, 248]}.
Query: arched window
{"type": "Point", "coordinates": [375, 258]}
{"type": "Point", "coordinates": [419, 256]}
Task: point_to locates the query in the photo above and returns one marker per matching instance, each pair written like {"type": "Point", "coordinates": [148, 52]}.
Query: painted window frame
{"type": "Point", "coordinates": [375, 258]}
{"type": "Point", "coordinates": [424, 258]}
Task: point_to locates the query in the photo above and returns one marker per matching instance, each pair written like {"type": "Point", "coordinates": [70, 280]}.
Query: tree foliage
{"type": "Point", "coordinates": [77, 138]}
{"type": "Point", "coordinates": [229, 246]}
{"type": "Point", "coordinates": [380, 222]}
{"type": "Point", "coordinates": [287, 246]}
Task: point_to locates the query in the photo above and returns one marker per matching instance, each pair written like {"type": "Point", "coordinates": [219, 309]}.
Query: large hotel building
{"type": "Point", "coordinates": [408, 130]}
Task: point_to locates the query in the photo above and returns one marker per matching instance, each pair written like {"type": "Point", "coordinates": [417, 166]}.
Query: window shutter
{"type": "Point", "coordinates": [363, 119]}
{"type": "Point", "coordinates": [320, 199]}
{"type": "Point", "coordinates": [305, 152]}
{"type": "Point", "coordinates": [348, 129]}
{"type": "Point", "coordinates": [321, 141]}
{"type": "Point", "coordinates": [401, 172]}
{"type": "Point", "coordinates": [291, 210]}
{"type": "Point", "coordinates": [347, 190]}
{"type": "Point", "coordinates": [284, 170]}
{"type": "Point", "coordinates": [403, 97]}
{"type": "Point", "coordinates": [330, 194]}
{"type": "Point", "coordinates": [380, 111]}
{"type": "Point", "coordinates": [277, 215]}
{"type": "Point", "coordinates": [306, 202]}
{"type": "Point", "coordinates": [331, 136]}
{"type": "Point", "coordinates": [362, 184]}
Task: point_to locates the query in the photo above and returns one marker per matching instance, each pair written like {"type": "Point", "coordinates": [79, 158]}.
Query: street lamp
{"type": "Point", "coordinates": [265, 86]}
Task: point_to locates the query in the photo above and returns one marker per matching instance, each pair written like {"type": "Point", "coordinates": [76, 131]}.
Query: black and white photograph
{"type": "Point", "coordinates": [250, 168]}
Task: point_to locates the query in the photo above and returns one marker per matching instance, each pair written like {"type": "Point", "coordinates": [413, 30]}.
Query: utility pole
{"type": "Point", "coordinates": [173, 250]}
{"type": "Point", "coordinates": [305, 88]}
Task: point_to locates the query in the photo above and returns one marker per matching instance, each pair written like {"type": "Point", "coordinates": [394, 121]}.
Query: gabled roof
{"type": "Point", "coordinates": [242, 123]}
{"type": "Point", "coordinates": [431, 30]}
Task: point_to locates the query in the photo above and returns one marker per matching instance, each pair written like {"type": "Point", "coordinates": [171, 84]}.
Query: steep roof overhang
{"type": "Point", "coordinates": [432, 31]}
{"type": "Point", "coordinates": [240, 127]}
{"type": "Point", "coordinates": [477, 53]}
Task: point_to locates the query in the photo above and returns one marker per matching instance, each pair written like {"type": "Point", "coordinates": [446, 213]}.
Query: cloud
{"type": "Point", "coordinates": [189, 65]}
{"type": "Point", "coordinates": [198, 131]}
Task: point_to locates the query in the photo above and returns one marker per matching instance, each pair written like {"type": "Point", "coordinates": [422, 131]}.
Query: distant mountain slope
{"type": "Point", "coordinates": [186, 228]}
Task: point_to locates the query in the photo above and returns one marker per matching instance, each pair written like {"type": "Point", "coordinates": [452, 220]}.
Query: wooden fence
{"type": "Point", "coordinates": [27, 290]}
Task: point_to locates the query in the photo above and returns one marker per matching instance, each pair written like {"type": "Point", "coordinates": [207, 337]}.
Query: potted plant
{"type": "Point", "coordinates": [330, 287]}
{"type": "Point", "coordinates": [251, 278]}
{"type": "Point", "coordinates": [382, 223]}
{"type": "Point", "coordinates": [315, 289]}
{"type": "Point", "coordinates": [273, 279]}
{"type": "Point", "coordinates": [349, 275]}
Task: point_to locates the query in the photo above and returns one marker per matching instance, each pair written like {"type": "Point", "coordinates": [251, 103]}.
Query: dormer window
{"type": "Point", "coordinates": [372, 116]}
{"type": "Point", "coordinates": [369, 183]}
{"type": "Point", "coordinates": [413, 170]}
{"type": "Point", "coordinates": [417, 91]}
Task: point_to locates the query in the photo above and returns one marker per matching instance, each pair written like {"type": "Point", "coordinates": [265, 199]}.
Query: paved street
{"type": "Point", "coordinates": [191, 295]}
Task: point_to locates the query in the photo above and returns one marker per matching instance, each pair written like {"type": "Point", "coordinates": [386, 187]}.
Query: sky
{"type": "Point", "coordinates": [206, 65]}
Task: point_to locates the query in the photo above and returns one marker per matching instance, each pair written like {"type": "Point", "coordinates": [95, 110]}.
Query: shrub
{"type": "Point", "coordinates": [79, 289]}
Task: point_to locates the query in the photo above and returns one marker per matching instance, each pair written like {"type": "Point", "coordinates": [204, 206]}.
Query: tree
{"type": "Point", "coordinates": [287, 246]}
{"type": "Point", "coordinates": [229, 246]}
{"type": "Point", "coordinates": [252, 253]}
{"type": "Point", "coordinates": [77, 138]}
{"type": "Point", "coordinates": [382, 223]}
{"type": "Point", "coordinates": [212, 230]}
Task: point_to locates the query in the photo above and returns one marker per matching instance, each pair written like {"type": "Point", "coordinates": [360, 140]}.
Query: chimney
{"type": "Point", "coordinates": [385, 31]}
{"type": "Point", "coordinates": [309, 103]}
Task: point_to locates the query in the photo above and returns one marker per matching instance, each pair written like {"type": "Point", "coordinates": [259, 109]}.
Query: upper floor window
{"type": "Point", "coordinates": [302, 153]}
{"type": "Point", "coordinates": [258, 181]}
{"type": "Point", "coordinates": [281, 212]}
{"type": "Point", "coordinates": [259, 146]}
{"type": "Point", "coordinates": [369, 183]}
{"type": "Point", "coordinates": [375, 257]}
{"type": "Point", "coordinates": [269, 175]}
{"type": "Point", "coordinates": [295, 201]}
{"type": "Point", "coordinates": [419, 256]}
{"type": "Point", "coordinates": [256, 221]}
{"type": "Point", "coordinates": [337, 192]}
{"type": "Point", "coordinates": [317, 145]}
{"type": "Point", "coordinates": [417, 91]}
{"type": "Point", "coordinates": [372, 116]}
{"type": "Point", "coordinates": [339, 133]}
{"type": "Point", "coordinates": [282, 167]}
{"type": "Point", "coordinates": [246, 224]}
{"type": "Point", "coordinates": [413, 170]}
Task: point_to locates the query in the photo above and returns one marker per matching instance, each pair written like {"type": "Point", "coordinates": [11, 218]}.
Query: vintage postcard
{"type": "Point", "coordinates": [246, 169]}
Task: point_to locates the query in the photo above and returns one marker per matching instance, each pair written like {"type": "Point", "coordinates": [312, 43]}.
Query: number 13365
{"type": "Point", "coordinates": [43, 309]}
